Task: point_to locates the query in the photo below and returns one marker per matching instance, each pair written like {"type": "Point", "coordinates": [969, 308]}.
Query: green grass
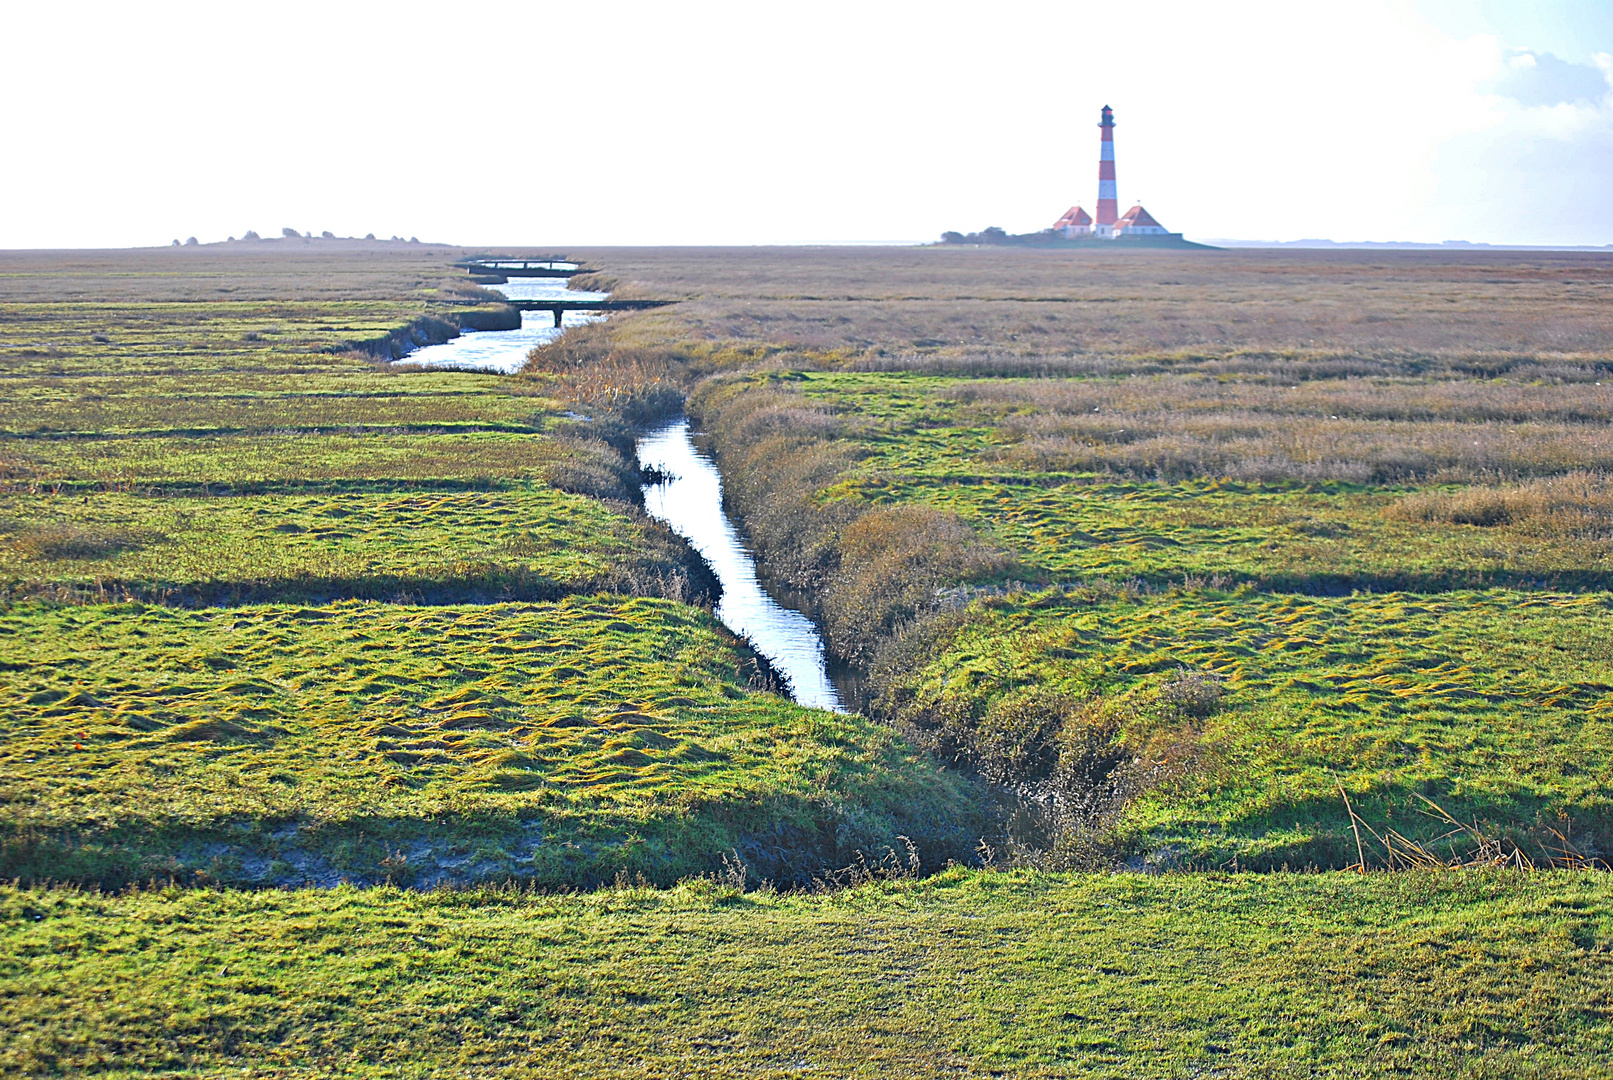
{"type": "Point", "coordinates": [972, 974]}
{"type": "Point", "coordinates": [200, 438]}
{"type": "Point", "coordinates": [161, 339]}
{"type": "Point", "coordinates": [1499, 704]}
{"type": "Point", "coordinates": [556, 742]}
{"type": "Point", "coordinates": [918, 442]}
{"type": "Point", "coordinates": [1076, 528]}
{"type": "Point", "coordinates": [1361, 640]}
{"type": "Point", "coordinates": [344, 395]}
{"type": "Point", "coordinates": [283, 459]}
{"type": "Point", "coordinates": [522, 537]}
{"type": "Point", "coordinates": [222, 450]}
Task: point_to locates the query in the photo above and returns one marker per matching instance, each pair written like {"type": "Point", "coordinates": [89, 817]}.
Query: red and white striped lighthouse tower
{"type": "Point", "coordinates": [1108, 209]}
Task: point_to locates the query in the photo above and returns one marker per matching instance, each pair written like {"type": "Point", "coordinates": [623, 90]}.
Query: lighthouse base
{"type": "Point", "coordinates": [1055, 238]}
{"type": "Point", "coordinates": [1110, 242]}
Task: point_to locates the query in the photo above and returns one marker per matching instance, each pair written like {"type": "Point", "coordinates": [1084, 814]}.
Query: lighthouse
{"type": "Point", "coordinates": [1108, 208]}
{"type": "Point", "coordinates": [1136, 225]}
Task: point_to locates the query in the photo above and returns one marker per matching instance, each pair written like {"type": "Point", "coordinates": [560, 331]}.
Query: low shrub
{"type": "Point", "coordinates": [893, 560]}
{"type": "Point", "coordinates": [1193, 693]}
{"type": "Point", "coordinates": [1017, 741]}
{"type": "Point", "coordinates": [1064, 767]}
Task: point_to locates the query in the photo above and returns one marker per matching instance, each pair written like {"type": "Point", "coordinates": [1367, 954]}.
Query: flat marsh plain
{"type": "Point", "coordinates": [357, 721]}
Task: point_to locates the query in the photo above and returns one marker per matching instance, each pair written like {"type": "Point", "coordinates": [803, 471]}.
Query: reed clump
{"type": "Point", "coordinates": [638, 385]}
{"type": "Point", "coordinates": [1066, 761]}
{"type": "Point", "coordinates": [776, 452]}
{"type": "Point", "coordinates": [890, 563]}
{"type": "Point", "coordinates": [865, 569]}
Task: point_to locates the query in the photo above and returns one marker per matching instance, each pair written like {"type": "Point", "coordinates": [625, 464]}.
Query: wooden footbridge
{"type": "Point", "coordinates": [560, 307]}
{"type": "Point", "coordinates": [508, 268]}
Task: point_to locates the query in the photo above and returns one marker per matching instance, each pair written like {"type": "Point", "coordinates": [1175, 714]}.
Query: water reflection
{"type": "Point", "coordinates": [691, 503]}
{"type": "Point", "coordinates": [505, 350]}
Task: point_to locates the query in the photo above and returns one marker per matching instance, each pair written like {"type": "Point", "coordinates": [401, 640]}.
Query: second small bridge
{"type": "Point", "coordinates": [560, 307]}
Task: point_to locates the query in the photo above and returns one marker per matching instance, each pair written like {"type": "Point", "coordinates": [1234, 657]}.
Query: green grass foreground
{"type": "Point", "coordinates": [1443, 974]}
{"type": "Point", "coordinates": [561, 743]}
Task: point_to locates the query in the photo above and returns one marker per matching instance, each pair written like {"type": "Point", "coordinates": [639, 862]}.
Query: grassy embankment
{"type": "Point", "coordinates": [1255, 526]}
{"type": "Point", "coordinates": [202, 479]}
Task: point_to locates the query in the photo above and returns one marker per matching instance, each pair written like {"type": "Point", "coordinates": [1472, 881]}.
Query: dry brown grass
{"type": "Point", "coordinates": [892, 560]}
{"type": "Point", "coordinates": [1252, 447]}
{"type": "Point", "coordinates": [1466, 401]}
{"type": "Point", "coordinates": [1353, 430]}
{"type": "Point", "coordinates": [980, 309]}
{"type": "Point", "coordinates": [1578, 505]}
{"type": "Point", "coordinates": [279, 270]}
{"type": "Point", "coordinates": [594, 371]}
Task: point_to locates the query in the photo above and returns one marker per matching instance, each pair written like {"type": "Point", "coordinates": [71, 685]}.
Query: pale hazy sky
{"type": "Point", "coordinates": [545, 122]}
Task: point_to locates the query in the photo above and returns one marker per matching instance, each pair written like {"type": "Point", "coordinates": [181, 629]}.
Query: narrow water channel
{"type": "Point", "coordinates": [505, 350]}
{"type": "Point", "coordinates": [691, 503]}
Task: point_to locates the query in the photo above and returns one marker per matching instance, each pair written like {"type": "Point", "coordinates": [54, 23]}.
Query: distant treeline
{"type": "Point", "coordinates": [993, 235]}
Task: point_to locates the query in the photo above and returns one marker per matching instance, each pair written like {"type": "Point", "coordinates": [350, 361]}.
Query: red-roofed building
{"type": "Point", "coordinates": [1075, 222]}
{"type": "Point", "coordinates": [1138, 222]}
